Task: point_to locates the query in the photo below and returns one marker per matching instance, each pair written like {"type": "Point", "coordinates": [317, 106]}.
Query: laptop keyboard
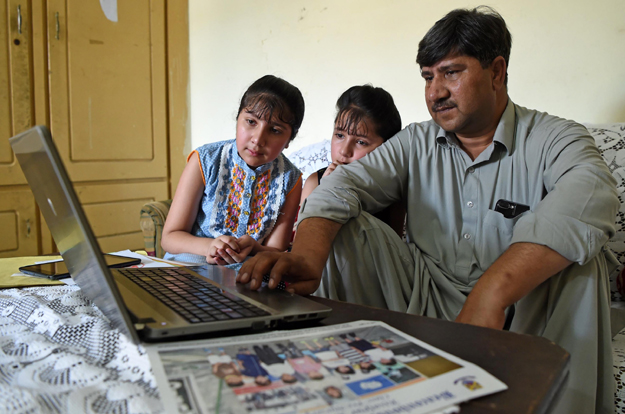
{"type": "Point", "coordinates": [194, 299]}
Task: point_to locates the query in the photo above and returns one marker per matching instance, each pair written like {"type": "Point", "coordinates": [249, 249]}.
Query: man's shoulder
{"type": "Point", "coordinates": [423, 128]}
{"type": "Point", "coordinates": [419, 135]}
{"type": "Point", "coordinates": [543, 123]}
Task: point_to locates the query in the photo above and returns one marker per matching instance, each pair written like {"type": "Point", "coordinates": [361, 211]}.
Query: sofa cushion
{"type": "Point", "coordinates": [610, 139]}
{"type": "Point", "coordinates": [151, 220]}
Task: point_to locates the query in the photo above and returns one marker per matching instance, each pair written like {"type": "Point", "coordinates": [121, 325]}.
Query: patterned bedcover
{"type": "Point", "coordinates": [58, 354]}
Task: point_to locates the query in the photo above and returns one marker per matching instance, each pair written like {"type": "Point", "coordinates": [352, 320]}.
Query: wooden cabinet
{"type": "Point", "coordinates": [15, 85]}
{"type": "Point", "coordinates": [18, 211]}
{"type": "Point", "coordinates": [108, 95]}
{"type": "Point", "coordinates": [18, 221]}
{"type": "Point", "coordinates": [103, 85]}
{"type": "Point", "coordinates": [113, 211]}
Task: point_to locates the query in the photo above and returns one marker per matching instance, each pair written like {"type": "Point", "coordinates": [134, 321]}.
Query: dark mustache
{"type": "Point", "coordinates": [443, 105]}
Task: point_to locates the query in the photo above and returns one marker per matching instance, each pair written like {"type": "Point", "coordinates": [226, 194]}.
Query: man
{"type": "Point", "coordinates": [505, 205]}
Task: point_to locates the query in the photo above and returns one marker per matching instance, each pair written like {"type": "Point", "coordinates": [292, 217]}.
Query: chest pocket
{"type": "Point", "coordinates": [496, 237]}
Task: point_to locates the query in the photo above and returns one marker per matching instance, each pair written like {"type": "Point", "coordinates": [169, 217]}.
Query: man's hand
{"type": "Point", "coordinates": [281, 266]}
{"type": "Point", "coordinates": [302, 267]}
{"type": "Point", "coordinates": [516, 273]}
{"type": "Point", "coordinates": [482, 311]}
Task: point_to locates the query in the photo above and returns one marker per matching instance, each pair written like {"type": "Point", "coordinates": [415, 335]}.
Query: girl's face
{"type": "Point", "coordinates": [346, 148]}
{"type": "Point", "coordinates": [260, 141]}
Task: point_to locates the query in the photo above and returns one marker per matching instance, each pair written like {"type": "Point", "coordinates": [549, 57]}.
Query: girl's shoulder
{"type": "Point", "coordinates": [289, 166]}
{"type": "Point", "coordinates": [214, 156]}
{"type": "Point", "coordinates": [211, 153]}
{"type": "Point", "coordinates": [213, 148]}
{"type": "Point", "coordinates": [310, 184]}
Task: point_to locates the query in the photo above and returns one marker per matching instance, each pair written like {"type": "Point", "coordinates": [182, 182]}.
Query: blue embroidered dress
{"type": "Point", "coordinates": [237, 199]}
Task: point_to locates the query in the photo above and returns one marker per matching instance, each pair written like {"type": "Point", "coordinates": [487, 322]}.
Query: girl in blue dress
{"type": "Point", "coordinates": [238, 197]}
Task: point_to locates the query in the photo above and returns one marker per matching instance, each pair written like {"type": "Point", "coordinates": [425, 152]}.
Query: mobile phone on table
{"type": "Point", "coordinates": [58, 270]}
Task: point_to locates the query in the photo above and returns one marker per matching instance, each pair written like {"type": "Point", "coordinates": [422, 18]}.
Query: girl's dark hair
{"type": "Point", "coordinates": [480, 33]}
{"type": "Point", "coordinates": [359, 103]}
{"type": "Point", "coordinates": [269, 95]}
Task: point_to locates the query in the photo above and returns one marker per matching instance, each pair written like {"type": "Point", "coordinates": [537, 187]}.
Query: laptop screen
{"type": "Point", "coordinates": [57, 200]}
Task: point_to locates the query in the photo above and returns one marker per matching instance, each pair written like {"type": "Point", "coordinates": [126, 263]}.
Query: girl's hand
{"type": "Point", "coordinates": [249, 246]}
{"type": "Point", "coordinates": [221, 250]}
{"type": "Point", "coordinates": [329, 170]}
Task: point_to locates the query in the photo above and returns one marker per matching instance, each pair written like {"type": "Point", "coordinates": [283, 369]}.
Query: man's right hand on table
{"type": "Point", "coordinates": [301, 268]}
{"type": "Point", "coordinates": [302, 276]}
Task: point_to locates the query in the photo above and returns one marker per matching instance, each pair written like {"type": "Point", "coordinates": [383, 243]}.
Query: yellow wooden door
{"type": "Point", "coordinates": [107, 84]}
{"type": "Point", "coordinates": [108, 109]}
{"type": "Point", "coordinates": [18, 221]}
{"type": "Point", "coordinates": [18, 214]}
{"type": "Point", "coordinates": [16, 113]}
{"type": "Point", "coordinates": [100, 82]}
{"type": "Point", "coordinates": [113, 211]}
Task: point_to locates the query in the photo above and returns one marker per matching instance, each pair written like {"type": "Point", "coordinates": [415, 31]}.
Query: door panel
{"type": "Point", "coordinates": [111, 99]}
{"type": "Point", "coordinates": [113, 211]}
{"type": "Point", "coordinates": [107, 89]}
{"type": "Point", "coordinates": [18, 220]}
{"type": "Point", "coordinates": [16, 114]}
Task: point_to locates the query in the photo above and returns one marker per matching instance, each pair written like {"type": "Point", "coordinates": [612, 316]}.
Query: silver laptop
{"type": "Point", "coordinates": [148, 304]}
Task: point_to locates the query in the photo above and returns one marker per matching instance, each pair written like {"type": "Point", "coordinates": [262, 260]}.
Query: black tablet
{"type": "Point", "coordinates": [57, 270]}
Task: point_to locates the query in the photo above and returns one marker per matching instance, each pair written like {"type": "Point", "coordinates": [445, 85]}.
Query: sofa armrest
{"type": "Point", "coordinates": [151, 220]}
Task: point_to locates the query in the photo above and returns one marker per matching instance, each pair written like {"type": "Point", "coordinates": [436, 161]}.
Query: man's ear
{"type": "Point", "coordinates": [498, 67]}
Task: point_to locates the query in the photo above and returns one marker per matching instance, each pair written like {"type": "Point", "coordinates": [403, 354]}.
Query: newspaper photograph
{"type": "Point", "coordinates": [358, 367]}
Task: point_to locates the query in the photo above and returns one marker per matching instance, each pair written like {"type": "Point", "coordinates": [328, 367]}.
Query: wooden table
{"type": "Point", "coordinates": [534, 368]}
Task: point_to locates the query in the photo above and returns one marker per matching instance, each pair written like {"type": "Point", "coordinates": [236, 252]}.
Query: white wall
{"type": "Point", "coordinates": [568, 56]}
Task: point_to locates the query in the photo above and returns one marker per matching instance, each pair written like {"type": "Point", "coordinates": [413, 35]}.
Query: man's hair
{"type": "Point", "coordinates": [480, 33]}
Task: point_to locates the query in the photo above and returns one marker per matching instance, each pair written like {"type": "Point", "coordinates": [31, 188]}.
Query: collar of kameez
{"type": "Point", "coordinates": [241, 163]}
{"type": "Point", "coordinates": [504, 134]}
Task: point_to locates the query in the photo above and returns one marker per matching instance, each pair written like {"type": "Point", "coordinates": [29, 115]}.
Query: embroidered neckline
{"type": "Point", "coordinates": [243, 165]}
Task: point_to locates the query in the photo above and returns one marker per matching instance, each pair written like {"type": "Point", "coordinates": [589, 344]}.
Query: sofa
{"type": "Point", "coordinates": [610, 139]}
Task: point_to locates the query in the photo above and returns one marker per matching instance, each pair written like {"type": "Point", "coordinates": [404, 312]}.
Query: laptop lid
{"type": "Point", "coordinates": [57, 200]}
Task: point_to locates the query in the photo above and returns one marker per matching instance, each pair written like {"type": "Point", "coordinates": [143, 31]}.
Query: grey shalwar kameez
{"type": "Point", "coordinates": [454, 235]}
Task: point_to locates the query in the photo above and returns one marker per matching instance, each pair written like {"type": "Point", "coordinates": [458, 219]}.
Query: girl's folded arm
{"type": "Point", "coordinates": [177, 237]}
{"type": "Point", "coordinates": [280, 237]}
{"type": "Point", "coordinates": [311, 183]}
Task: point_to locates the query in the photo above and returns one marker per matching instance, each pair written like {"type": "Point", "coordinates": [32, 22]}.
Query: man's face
{"type": "Point", "coordinates": [460, 95]}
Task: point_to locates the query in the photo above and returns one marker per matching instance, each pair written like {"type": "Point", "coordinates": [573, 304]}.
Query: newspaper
{"type": "Point", "coordinates": [359, 367]}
